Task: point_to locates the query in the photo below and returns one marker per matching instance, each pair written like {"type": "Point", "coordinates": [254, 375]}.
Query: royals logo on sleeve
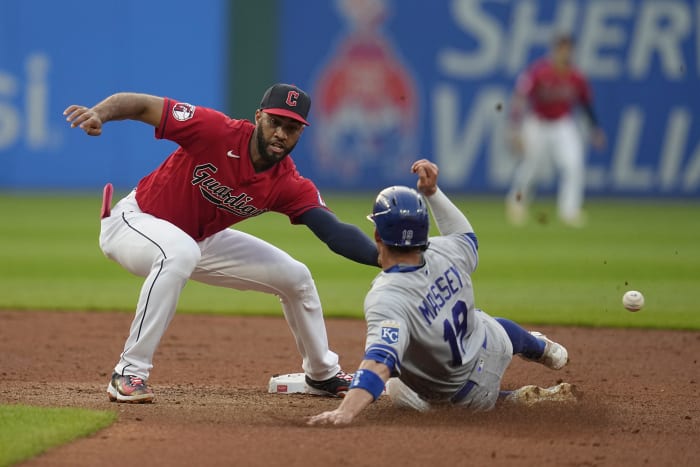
{"type": "Point", "coordinates": [390, 332]}
{"type": "Point", "coordinates": [183, 111]}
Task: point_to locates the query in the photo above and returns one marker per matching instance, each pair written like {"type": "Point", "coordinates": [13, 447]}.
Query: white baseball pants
{"type": "Point", "coordinates": [561, 141]}
{"type": "Point", "coordinates": [167, 257]}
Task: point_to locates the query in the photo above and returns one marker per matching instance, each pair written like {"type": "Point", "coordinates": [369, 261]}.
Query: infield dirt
{"type": "Point", "coordinates": [640, 401]}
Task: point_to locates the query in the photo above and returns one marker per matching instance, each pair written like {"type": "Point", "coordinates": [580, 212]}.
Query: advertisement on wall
{"type": "Point", "coordinates": [79, 52]}
{"type": "Point", "coordinates": [393, 81]}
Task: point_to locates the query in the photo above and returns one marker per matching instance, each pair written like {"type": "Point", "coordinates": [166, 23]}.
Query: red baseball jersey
{"type": "Point", "coordinates": [553, 93]}
{"type": "Point", "coordinates": [209, 183]}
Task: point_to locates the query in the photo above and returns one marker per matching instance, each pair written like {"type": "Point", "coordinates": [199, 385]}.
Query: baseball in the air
{"type": "Point", "coordinates": [633, 300]}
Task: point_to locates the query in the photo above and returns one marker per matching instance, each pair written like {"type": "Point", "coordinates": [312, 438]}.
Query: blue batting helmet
{"type": "Point", "coordinates": [401, 216]}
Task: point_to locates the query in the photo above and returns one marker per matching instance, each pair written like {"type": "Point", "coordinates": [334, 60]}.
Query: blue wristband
{"type": "Point", "coordinates": [369, 381]}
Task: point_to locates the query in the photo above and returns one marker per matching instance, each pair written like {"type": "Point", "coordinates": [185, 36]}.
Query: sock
{"type": "Point", "coordinates": [523, 342]}
{"type": "Point", "coordinates": [502, 394]}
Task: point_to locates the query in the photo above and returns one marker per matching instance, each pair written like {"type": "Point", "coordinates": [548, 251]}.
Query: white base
{"type": "Point", "coordinates": [292, 383]}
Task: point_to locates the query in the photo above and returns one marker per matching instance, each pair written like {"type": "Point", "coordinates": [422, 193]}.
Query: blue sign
{"type": "Point", "coordinates": [54, 54]}
{"type": "Point", "coordinates": [393, 81]}
{"type": "Point", "coordinates": [390, 80]}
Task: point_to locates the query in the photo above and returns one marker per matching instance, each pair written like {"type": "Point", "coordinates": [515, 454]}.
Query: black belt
{"type": "Point", "coordinates": [462, 394]}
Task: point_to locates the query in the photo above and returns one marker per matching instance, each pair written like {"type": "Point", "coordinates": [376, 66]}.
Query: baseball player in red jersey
{"type": "Point", "coordinates": [174, 225]}
{"type": "Point", "coordinates": [543, 126]}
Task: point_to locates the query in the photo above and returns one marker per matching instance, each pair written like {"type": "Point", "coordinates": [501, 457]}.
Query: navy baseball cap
{"type": "Point", "coordinates": [286, 100]}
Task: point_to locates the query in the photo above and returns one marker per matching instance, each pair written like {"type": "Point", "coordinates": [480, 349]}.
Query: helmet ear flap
{"type": "Point", "coordinates": [401, 218]}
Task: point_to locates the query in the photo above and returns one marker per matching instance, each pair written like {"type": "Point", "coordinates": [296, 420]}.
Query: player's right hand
{"type": "Point", "coordinates": [427, 176]}
{"type": "Point", "coordinates": [84, 118]}
{"type": "Point", "coordinates": [335, 417]}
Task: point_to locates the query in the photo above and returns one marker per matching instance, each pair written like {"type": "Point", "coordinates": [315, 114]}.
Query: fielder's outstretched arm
{"type": "Point", "coordinates": [121, 106]}
{"type": "Point", "coordinates": [344, 239]}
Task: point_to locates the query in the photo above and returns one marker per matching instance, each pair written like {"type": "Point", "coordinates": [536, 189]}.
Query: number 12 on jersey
{"type": "Point", "coordinates": [455, 331]}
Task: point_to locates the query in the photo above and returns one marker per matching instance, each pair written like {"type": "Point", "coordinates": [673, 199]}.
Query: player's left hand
{"type": "Point", "coordinates": [427, 176]}
{"type": "Point", "coordinates": [335, 417]}
{"type": "Point", "coordinates": [86, 119]}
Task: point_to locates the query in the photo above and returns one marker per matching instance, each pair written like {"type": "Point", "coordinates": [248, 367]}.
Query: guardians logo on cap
{"type": "Point", "coordinates": [286, 100]}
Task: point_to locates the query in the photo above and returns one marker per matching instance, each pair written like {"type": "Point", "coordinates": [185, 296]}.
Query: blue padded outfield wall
{"type": "Point", "coordinates": [395, 79]}
{"type": "Point", "coordinates": [390, 80]}
{"type": "Point", "coordinates": [57, 53]}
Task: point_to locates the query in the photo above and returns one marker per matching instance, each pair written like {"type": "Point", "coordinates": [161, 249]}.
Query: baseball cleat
{"type": "Point", "coordinates": [336, 386]}
{"type": "Point", "coordinates": [555, 355]}
{"type": "Point", "coordinates": [531, 395]}
{"type": "Point", "coordinates": [129, 388]}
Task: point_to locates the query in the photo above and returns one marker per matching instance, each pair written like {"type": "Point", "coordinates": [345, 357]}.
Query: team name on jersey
{"type": "Point", "coordinates": [556, 92]}
{"type": "Point", "coordinates": [221, 195]}
{"type": "Point", "coordinates": [444, 287]}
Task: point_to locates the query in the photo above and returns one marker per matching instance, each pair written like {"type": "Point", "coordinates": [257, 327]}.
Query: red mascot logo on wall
{"type": "Point", "coordinates": [367, 101]}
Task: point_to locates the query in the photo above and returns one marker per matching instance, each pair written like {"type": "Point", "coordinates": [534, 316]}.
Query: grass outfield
{"type": "Point", "coordinates": [541, 273]}
{"type": "Point", "coordinates": [26, 432]}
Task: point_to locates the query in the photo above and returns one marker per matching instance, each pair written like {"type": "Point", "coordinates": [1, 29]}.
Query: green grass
{"type": "Point", "coordinates": [541, 273]}
{"type": "Point", "coordinates": [26, 432]}
{"type": "Point", "coordinates": [548, 273]}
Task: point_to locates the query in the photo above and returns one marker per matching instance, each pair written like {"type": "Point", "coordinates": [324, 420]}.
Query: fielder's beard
{"type": "Point", "coordinates": [268, 157]}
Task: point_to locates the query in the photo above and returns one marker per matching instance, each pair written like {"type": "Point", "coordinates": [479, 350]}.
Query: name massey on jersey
{"type": "Point", "coordinates": [444, 287]}
{"type": "Point", "coordinates": [222, 195]}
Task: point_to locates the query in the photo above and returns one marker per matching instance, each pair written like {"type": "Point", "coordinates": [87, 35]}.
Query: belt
{"type": "Point", "coordinates": [462, 394]}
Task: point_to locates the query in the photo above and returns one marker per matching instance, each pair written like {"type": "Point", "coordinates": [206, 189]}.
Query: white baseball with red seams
{"type": "Point", "coordinates": [633, 300]}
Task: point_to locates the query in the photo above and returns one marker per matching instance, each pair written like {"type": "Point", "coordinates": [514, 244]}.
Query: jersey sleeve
{"type": "Point", "coordinates": [585, 95]}
{"type": "Point", "coordinates": [387, 332]}
{"type": "Point", "coordinates": [297, 195]}
{"type": "Point", "coordinates": [524, 87]}
{"type": "Point", "coordinates": [525, 83]}
{"type": "Point", "coordinates": [190, 126]}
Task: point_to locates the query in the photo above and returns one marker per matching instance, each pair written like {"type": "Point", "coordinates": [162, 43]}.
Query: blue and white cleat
{"type": "Point", "coordinates": [555, 355]}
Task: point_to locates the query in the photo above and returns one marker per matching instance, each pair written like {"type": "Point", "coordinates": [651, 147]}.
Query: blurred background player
{"type": "Point", "coordinates": [174, 226]}
{"type": "Point", "coordinates": [422, 326]}
{"type": "Point", "coordinates": [543, 127]}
